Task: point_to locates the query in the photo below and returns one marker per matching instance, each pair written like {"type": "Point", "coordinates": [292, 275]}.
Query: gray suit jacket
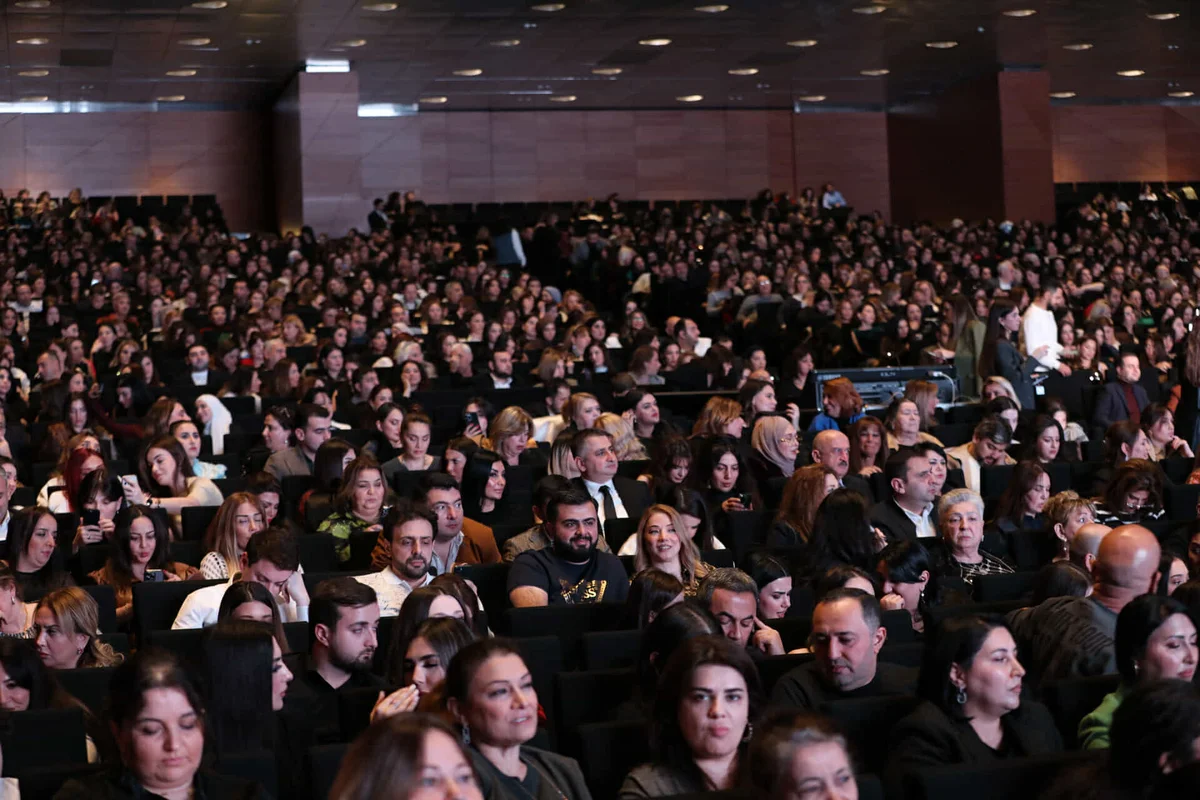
{"type": "Point", "coordinates": [288, 462]}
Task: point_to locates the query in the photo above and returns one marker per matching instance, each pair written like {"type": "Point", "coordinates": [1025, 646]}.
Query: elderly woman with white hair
{"type": "Point", "coordinates": [960, 520]}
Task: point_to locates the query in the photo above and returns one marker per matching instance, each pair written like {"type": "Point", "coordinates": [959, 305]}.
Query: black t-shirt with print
{"type": "Point", "coordinates": [600, 580]}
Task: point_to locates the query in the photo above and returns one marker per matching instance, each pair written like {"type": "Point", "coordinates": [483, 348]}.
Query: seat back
{"type": "Point", "coordinates": [49, 738]}
{"type": "Point", "coordinates": [568, 623]}
{"type": "Point", "coordinates": [771, 669]}
{"type": "Point", "coordinates": [491, 584]}
{"type": "Point", "coordinates": [608, 751]}
{"type": "Point", "coordinates": [867, 721]}
{"type": "Point", "coordinates": [583, 697]}
{"type": "Point", "coordinates": [195, 521]}
{"type": "Point", "coordinates": [88, 685]}
{"type": "Point", "coordinates": [1001, 587]}
{"type": "Point", "coordinates": [185, 644]}
{"type": "Point", "coordinates": [324, 762]}
{"type": "Point", "coordinates": [155, 605]}
{"type": "Point", "coordinates": [259, 767]}
{"type": "Point", "coordinates": [1071, 700]}
{"type": "Point", "coordinates": [317, 553]}
{"type": "Point", "coordinates": [544, 657]}
{"type": "Point", "coordinates": [1001, 779]}
{"type": "Point", "coordinates": [611, 649]}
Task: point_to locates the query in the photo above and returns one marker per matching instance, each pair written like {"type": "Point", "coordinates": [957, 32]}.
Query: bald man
{"type": "Point", "coordinates": [832, 448]}
{"type": "Point", "coordinates": [1072, 637]}
{"type": "Point", "coordinates": [1085, 544]}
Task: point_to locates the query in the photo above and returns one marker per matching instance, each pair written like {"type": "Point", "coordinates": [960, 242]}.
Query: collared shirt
{"type": "Point", "coordinates": [594, 491]}
{"type": "Point", "coordinates": [390, 589]}
{"type": "Point", "coordinates": [925, 526]}
{"type": "Point", "coordinates": [4, 525]}
{"type": "Point", "coordinates": [440, 567]}
{"type": "Point", "coordinates": [501, 383]}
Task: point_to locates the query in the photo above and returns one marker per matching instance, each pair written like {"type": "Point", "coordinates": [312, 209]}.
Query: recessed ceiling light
{"type": "Point", "coordinates": [34, 73]}
{"type": "Point", "coordinates": [744, 71]}
{"type": "Point", "coordinates": [1062, 95]}
{"type": "Point", "coordinates": [802, 43]}
{"type": "Point", "coordinates": [563, 98]}
{"type": "Point", "coordinates": [34, 41]}
{"type": "Point", "coordinates": [654, 42]}
{"type": "Point", "coordinates": [811, 98]}
{"type": "Point", "coordinates": [380, 7]}
{"type": "Point", "coordinates": [210, 5]}
{"type": "Point", "coordinates": [181, 73]}
{"type": "Point", "coordinates": [197, 41]}
{"type": "Point", "coordinates": [942, 45]}
{"type": "Point", "coordinates": [170, 98]}
{"type": "Point", "coordinates": [1078, 46]}
{"type": "Point", "coordinates": [36, 98]}
{"type": "Point", "coordinates": [505, 43]}
{"type": "Point", "coordinates": [1180, 94]}
{"type": "Point", "coordinates": [437, 100]}
{"type": "Point", "coordinates": [549, 7]}
{"type": "Point", "coordinates": [1163, 17]}
{"type": "Point", "coordinates": [690, 98]}
{"type": "Point", "coordinates": [32, 4]}
{"type": "Point", "coordinates": [351, 43]}
{"type": "Point", "coordinates": [873, 73]}
{"type": "Point", "coordinates": [1131, 73]}
{"type": "Point", "coordinates": [468, 73]}
{"type": "Point", "coordinates": [713, 9]}
{"type": "Point", "coordinates": [1019, 12]}
{"type": "Point", "coordinates": [606, 71]}
{"type": "Point", "coordinates": [872, 9]}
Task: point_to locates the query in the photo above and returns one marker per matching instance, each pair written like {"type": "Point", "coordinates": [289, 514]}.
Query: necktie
{"type": "Point", "coordinates": [1135, 414]}
{"type": "Point", "coordinates": [610, 508]}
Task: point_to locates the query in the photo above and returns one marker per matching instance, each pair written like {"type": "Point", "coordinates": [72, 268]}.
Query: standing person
{"type": "Point", "coordinates": [1001, 358]}
{"type": "Point", "coordinates": [1039, 328]}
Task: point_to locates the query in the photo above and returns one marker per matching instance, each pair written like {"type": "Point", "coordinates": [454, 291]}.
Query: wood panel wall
{"type": "Point", "coordinates": [1126, 143]}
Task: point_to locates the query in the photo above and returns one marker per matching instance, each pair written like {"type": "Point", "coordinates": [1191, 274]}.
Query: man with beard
{"type": "Point", "coordinates": [411, 530]}
{"type": "Point", "coordinates": [571, 571]}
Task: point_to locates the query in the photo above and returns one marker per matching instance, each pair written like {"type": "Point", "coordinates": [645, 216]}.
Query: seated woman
{"type": "Point", "coordinates": [509, 435]}
{"type": "Point", "coordinates": [87, 441]}
{"type": "Point", "coordinates": [458, 451]}
{"type": "Point", "coordinates": [99, 491]}
{"type": "Point", "coordinates": [489, 692]}
{"type": "Point", "coordinates": [724, 478]}
{"type": "Point", "coordinates": [1065, 513]}
{"type": "Point", "coordinates": [906, 571]}
{"type": "Point", "coordinates": [903, 423]}
{"type": "Point", "coordinates": [252, 601]}
{"type": "Point", "coordinates": [867, 452]}
{"type": "Point", "coordinates": [841, 535]}
{"type": "Point", "coordinates": [425, 602]}
{"type": "Point", "coordinates": [670, 463]}
{"type": "Point", "coordinates": [662, 543]}
{"type": "Point", "coordinates": [360, 501]}
{"type": "Point", "coordinates": [708, 700]}
{"type": "Point", "coordinates": [774, 584]}
{"type": "Point", "coordinates": [758, 400]}
{"type": "Point", "coordinates": [1158, 422]}
{"type": "Point", "coordinates": [776, 446]}
{"type": "Point", "coordinates": [960, 519]}
{"type": "Point", "coordinates": [387, 442]}
{"type": "Point", "coordinates": [697, 520]}
{"type": "Point", "coordinates": [625, 444]}
{"type": "Point", "coordinates": [329, 466]}
{"type": "Point", "coordinates": [1045, 440]}
{"type": "Point", "coordinates": [239, 517]}
{"type": "Point", "coordinates": [804, 492]}
{"type": "Point", "coordinates": [1155, 640]}
{"type": "Point", "coordinates": [164, 468]}
{"type": "Point", "coordinates": [214, 421]}
{"type": "Point", "coordinates": [1018, 534]}
{"type": "Point", "coordinates": [483, 487]}
{"type": "Point", "coordinates": [418, 664]}
{"type": "Point", "coordinates": [719, 417]}
{"type": "Point", "coordinates": [841, 405]}
{"type": "Point", "coordinates": [80, 463]}
{"type": "Point", "coordinates": [188, 435]}
{"type": "Point", "coordinates": [1123, 441]}
{"type": "Point", "coordinates": [68, 622]}
{"type": "Point", "coordinates": [16, 616]}
{"type": "Point", "coordinates": [414, 457]}
{"type": "Point", "coordinates": [1133, 496]}
{"type": "Point", "coordinates": [651, 592]}
{"type": "Point", "coordinates": [37, 565]}
{"type": "Point", "coordinates": [844, 576]}
{"type": "Point", "coordinates": [29, 685]}
{"type": "Point", "coordinates": [404, 757]}
{"type": "Point", "coordinates": [802, 755]}
{"type": "Point", "coordinates": [140, 543]}
{"type": "Point", "coordinates": [972, 713]}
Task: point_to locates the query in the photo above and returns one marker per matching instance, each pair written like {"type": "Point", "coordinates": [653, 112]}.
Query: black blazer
{"type": "Point", "coordinates": [894, 523]}
{"type": "Point", "coordinates": [1017, 370]}
{"type": "Point", "coordinates": [1111, 406]}
{"type": "Point", "coordinates": [634, 494]}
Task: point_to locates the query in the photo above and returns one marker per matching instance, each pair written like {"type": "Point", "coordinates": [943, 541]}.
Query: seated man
{"type": "Point", "coordinates": [905, 514]}
{"type": "Point", "coordinates": [846, 639]}
{"type": "Point", "coordinates": [344, 620]}
{"type": "Point", "coordinates": [411, 530]}
{"type": "Point", "coordinates": [572, 570]}
{"type": "Point", "coordinates": [988, 448]}
{"type": "Point", "coordinates": [832, 448]}
{"type": "Point", "coordinates": [310, 430]}
{"type": "Point", "coordinates": [457, 540]}
{"type": "Point", "coordinates": [732, 597]}
{"type": "Point", "coordinates": [272, 559]}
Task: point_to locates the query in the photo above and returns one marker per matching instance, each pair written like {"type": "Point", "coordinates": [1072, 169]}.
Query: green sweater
{"type": "Point", "coordinates": [1093, 729]}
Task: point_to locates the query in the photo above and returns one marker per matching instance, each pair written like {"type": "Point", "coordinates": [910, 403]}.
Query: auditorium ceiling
{"type": "Point", "coordinates": [782, 53]}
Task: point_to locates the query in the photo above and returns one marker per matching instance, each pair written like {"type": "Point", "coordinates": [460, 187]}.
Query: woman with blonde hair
{"type": "Point", "coordinates": [776, 446]}
{"type": "Point", "coordinates": [719, 417]}
{"type": "Point", "coordinates": [551, 365]}
{"type": "Point", "coordinates": [239, 517]}
{"type": "Point", "coordinates": [68, 622]}
{"type": "Point", "coordinates": [509, 433]}
{"type": "Point", "coordinates": [625, 444]}
{"type": "Point", "coordinates": [295, 334]}
{"type": "Point", "coordinates": [802, 497]}
{"type": "Point", "coordinates": [925, 395]}
{"type": "Point", "coordinates": [662, 543]}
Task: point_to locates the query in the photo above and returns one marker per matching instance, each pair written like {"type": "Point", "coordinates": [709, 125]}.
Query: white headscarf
{"type": "Point", "coordinates": [219, 425]}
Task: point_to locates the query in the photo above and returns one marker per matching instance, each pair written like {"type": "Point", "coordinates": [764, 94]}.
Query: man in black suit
{"type": "Point", "coordinates": [378, 218]}
{"type": "Point", "coordinates": [198, 373]}
{"type": "Point", "coordinates": [1123, 398]}
{"type": "Point", "coordinates": [500, 372]}
{"type": "Point", "coordinates": [616, 497]}
{"type": "Point", "coordinates": [907, 513]}
{"type": "Point", "coordinates": [832, 448]}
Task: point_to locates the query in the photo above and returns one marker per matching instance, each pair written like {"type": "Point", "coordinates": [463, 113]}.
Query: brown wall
{"type": "Point", "coordinates": [136, 153]}
{"type": "Point", "coordinates": [1126, 143]}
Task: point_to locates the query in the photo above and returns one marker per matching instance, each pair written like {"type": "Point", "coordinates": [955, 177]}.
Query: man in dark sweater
{"type": "Point", "coordinates": [846, 639]}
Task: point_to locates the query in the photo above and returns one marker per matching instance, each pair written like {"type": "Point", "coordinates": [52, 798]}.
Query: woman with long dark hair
{"type": "Point", "coordinates": [1000, 356]}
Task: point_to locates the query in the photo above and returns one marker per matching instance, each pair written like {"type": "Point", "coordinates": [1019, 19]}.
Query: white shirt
{"type": "Point", "coordinates": [925, 527]}
{"type": "Point", "coordinates": [4, 526]}
{"type": "Point", "coordinates": [1039, 328]}
{"type": "Point", "coordinates": [594, 491]}
{"type": "Point", "coordinates": [200, 378]}
{"type": "Point", "coordinates": [199, 609]}
{"type": "Point", "coordinates": [501, 383]}
{"type": "Point", "coordinates": [390, 589]}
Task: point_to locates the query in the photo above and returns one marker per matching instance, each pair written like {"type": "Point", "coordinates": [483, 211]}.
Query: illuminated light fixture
{"type": "Point", "coordinates": [607, 71]}
{"type": "Point", "coordinates": [196, 41]}
{"type": "Point", "coordinates": [505, 43]}
{"type": "Point", "coordinates": [437, 100]}
{"type": "Point", "coordinates": [943, 45]}
{"type": "Point", "coordinates": [468, 73]}
{"type": "Point", "coordinates": [210, 5]}
{"type": "Point", "coordinates": [1131, 73]}
{"type": "Point", "coordinates": [1062, 95]}
{"type": "Point", "coordinates": [1078, 46]}
{"type": "Point", "coordinates": [181, 73]}
{"type": "Point", "coordinates": [34, 73]}
{"type": "Point", "coordinates": [1165, 16]}
{"type": "Point", "coordinates": [318, 65]}
{"type": "Point", "coordinates": [802, 43]}
{"type": "Point", "coordinates": [563, 98]}
{"type": "Point", "coordinates": [1180, 94]}
{"type": "Point", "coordinates": [811, 98]}
{"type": "Point", "coordinates": [32, 4]}
{"type": "Point", "coordinates": [549, 8]}
{"type": "Point", "coordinates": [1019, 13]}
{"type": "Point", "coordinates": [380, 7]}
{"type": "Point", "coordinates": [37, 40]}
{"type": "Point", "coordinates": [744, 71]}
{"type": "Point", "coordinates": [36, 98]}
{"type": "Point", "coordinates": [690, 98]}
{"type": "Point", "coordinates": [873, 73]}
{"type": "Point", "coordinates": [716, 8]}
{"type": "Point", "coordinates": [654, 42]}
{"type": "Point", "coordinates": [352, 43]}
{"type": "Point", "coordinates": [170, 98]}
{"type": "Point", "coordinates": [872, 9]}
